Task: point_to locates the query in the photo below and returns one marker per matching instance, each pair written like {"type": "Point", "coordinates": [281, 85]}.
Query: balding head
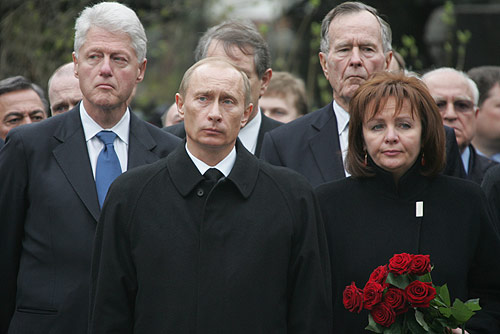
{"type": "Point", "coordinates": [64, 89]}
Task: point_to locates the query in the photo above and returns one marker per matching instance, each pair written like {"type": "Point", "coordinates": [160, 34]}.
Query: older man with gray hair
{"type": "Point", "coordinates": [457, 96]}
{"type": "Point", "coordinates": [55, 176]}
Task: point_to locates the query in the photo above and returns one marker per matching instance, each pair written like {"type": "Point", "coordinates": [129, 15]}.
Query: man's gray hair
{"type": "Point", "coordinates": [115, 18]}
{"type": "Point", "coordinates": [472, 85]}
{"type": "Point", "coordinates": [242, 34]}
{"type": "Point", "coordinates": [17, 83]}
{"type": "Point", "coordinates": [352, 7]}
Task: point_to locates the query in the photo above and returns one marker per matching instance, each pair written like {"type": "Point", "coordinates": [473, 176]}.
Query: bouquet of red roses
{"type": "Point", "coordinates": [401, 298]}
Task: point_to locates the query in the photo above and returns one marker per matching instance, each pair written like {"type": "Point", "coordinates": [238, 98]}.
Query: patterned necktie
{"type": "Point", "coordinates": [108, 166]}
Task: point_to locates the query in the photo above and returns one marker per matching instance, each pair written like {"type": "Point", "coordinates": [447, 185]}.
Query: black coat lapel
{"type": "Point", "coordinates": [73, 158]}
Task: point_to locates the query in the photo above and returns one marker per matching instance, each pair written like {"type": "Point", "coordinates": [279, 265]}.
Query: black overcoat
{"type": "Point", "coordinates": [368, 220]}
{"type": "Point", "coordinates": [173, 256]}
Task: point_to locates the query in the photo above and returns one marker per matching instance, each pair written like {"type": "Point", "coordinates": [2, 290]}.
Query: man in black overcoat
{"type": "Point", "coordinates": [49, 203]}
{"type": "Point", "coordinates": [355, 42]}
{"type": "Point", "coordinates": [240, 42]}
{"type": "Point", "coordinates": [181, 250]}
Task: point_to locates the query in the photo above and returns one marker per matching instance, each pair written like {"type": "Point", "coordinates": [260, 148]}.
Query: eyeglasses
{"type": "Point", "coordinates": [461, 106]}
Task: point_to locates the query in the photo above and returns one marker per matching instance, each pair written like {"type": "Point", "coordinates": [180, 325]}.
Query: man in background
{"type": "Point", "coordinates": [240, 43]}
{"type": "Point", "coordinates": [64, 89]}
{"type": "Point", "coordinates": [21, 102]}
{"type": "Point", "coordinates": [487, 138]}
{"type": "Point", "coordinates": [55, 176]}
{"type": "Point", "coordinates": [456, 96]}
{"type": "Point", "coordinates": [285, 98]}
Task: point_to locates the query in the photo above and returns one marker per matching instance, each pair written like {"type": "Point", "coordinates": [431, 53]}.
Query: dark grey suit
{"type": "Point", "coordinates": [310, 145]}
{"type": "Point", "coordinates": [478, 165]}
{"type": "Point", "coordinates": [49, 211]}
{"type": "Point", "coordinates": [266, 125]}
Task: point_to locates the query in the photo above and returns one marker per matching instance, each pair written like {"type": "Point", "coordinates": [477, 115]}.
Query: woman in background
{"type": "Point", "coordinates": [397, 202]}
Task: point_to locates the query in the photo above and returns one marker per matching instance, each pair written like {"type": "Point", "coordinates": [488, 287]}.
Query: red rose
{"type": "Point", "coordinates": [420, 294]}
{"type": "Point", "coordinates": [372, 294]}
{"type": "Point", "coordinates": [395, 298]}
{"type": "Point", "coordinates": [379, 275]}
{"type": "Point", "coordinates": [382, 314]}
{"type": "Point", "coordinates": [400, 263]}
{"type": "Point", "coordinates": [420, 264]}
{"type": "Point", "coordinates": [353, 298]}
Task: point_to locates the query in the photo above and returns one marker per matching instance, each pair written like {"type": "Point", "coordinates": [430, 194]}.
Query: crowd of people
{"type": "Point", "coordinates": [228, 220]}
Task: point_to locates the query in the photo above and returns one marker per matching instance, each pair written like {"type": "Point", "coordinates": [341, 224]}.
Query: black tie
{"type": "Point", "coordinates": [213, 175]}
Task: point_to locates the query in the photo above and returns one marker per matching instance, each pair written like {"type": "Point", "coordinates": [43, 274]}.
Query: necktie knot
{"type": "Point", "coordinates": [107, 137]}
{"type": "Point", "coordinates": [213, 174]}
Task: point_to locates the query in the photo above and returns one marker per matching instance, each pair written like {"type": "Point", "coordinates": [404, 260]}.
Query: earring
{"type": "Point", "coordinates": [422, 161]}
{"type": "Point", "coordinates": [366, 159]}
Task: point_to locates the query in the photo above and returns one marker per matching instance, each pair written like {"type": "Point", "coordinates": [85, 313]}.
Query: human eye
{"type": "Point", "coordinates": [13, 120]}
{"type": "Point", "coordinates": [376, 126]}
{"type": "Point", "coordinates": [228, 101]}
{"type": "Point", "coordinates": [463, 106]}
{"type": "Point", "coordinates": [405, 125]}
{"type": "Point", "coordinates": [441, 104]}
{"type": "Point", "coordinates": [120, 60]}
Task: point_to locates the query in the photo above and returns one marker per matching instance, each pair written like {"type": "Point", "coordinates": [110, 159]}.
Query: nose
{"type": "Point", "coordinates": [391, 135]}
{"type": "Point", "coordinates": [105, 69]}
{"type": "Point", "coordinates": [355, 60]}
{"type": "Point", "coordinates": [214, 113]}
{"type": "Point", "coordinates": [448, 112]}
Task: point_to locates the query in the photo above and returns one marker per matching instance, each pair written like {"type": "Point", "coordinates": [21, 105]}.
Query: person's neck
{"type": "Point", "coordinates": [485, 147]}
{"type": "Point", "coordinates": [211, 155]}
{"type": "Point", "coordinates": [105, 117]}
{"type": "Point", "coordinates": [342, 102]}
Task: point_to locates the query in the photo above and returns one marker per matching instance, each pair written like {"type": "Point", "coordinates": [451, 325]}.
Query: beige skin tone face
{"type": "Point", "coordinates": [355, 53]}
{"type": "Point", "coordinates": [64, 93]}
{"type": "Point", "coordinates": [247, 65]}
{"type": "Point", "coordinates": [279, 108]}
{"type": "Point", "coordinates": [19, 107]}
{"type": "Point", "coordinates": [108, 71]}
{"type": "Point", "coordinates": [456, 104]}
{"type": "Point", "coordinates": [214, 111]}
{"type": "Point", "coordinates": [393, 141]}
{"type": "Point", "coordinates": [487, 138]}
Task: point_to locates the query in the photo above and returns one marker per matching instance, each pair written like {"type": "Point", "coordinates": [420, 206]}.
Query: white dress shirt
{"type": "Point", "coordinates": [248, 135]}
{"type": "Point", "coordinates": [343, 128]}
{"type": "Point", "coordinates": [95, 145]}
{"type": "Point", "coordinates": [225, 166]}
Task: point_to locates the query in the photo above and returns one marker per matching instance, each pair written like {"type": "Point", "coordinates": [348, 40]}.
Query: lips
{"type": "Point", "coordinates": [391, 152]}
{"type": "Point", "coordinates": [105, 86]}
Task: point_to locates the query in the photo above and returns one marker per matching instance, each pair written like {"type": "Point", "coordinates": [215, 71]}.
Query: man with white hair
{"type": "Point", "coordinates": [55, 176]}
{"type": "Point", "coordinates": [456, 96]}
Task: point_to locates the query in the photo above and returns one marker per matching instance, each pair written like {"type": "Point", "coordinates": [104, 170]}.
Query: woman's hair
{"type": "Point", "coordinates": [371, 98]}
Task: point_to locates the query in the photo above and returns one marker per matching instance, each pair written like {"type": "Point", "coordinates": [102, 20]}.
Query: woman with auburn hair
{"type": "Point", "coordinates": [396, 201]}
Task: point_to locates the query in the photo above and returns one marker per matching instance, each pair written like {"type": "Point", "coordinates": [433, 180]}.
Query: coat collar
{"type": "Point", "coordinates": [185, 176]}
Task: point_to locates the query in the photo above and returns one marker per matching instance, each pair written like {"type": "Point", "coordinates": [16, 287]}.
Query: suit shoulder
{"type": "Point", "coordinates": [135, 178]}
{"type": "Point", "coordinates": [160, 133]}
{"type": "Point", "coordinates": [176, 129]}
{"type": "Point", "coordinates": [285, 177]}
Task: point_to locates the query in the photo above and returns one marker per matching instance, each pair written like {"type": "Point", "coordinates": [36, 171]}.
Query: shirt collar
{"type": "Point", "coordinates": [91, 128]}
{"type": "Point", "coordinates": [249, 133]}
{"type": "Point", "coordinates": [465, 159]}
{"type": "Point", "coordinates": [225, 166]}
{"type": "Point", "coordinates": [342, 117]}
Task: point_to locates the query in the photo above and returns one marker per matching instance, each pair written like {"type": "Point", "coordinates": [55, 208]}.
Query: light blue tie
{"type": "Point", "coordinates": [108, 166]}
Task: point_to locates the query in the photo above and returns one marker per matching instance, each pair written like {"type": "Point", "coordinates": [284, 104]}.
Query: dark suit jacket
{"type": "Point", "coordinates": [173, 255]}
{"type": "Point", "coordinates": [1, 143]}
{"type": "Point", "coordinates": [49, 211]}
{"type": "Point", "coordinates": [310, 145]}
{"type": "Point", "coordinates": [478, 165]}
{"type": "Point", "coordinates": [267, 125]}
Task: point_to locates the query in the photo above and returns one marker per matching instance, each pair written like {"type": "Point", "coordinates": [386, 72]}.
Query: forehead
{"type": "Point", "coordinates": [20, 100]}
{"type": "Point", "coordinates": [448, 84]}
{"type": "Point", "coordinates": [103, 40]}
{"type": "Point", "coordinates": [216, 78]}
{"type": "Point", "coordinates": [358, 26]}
{"type": "Point", "coordinates": [390, 108]}
{"type": "Point", "coordinates": [236, 56]}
